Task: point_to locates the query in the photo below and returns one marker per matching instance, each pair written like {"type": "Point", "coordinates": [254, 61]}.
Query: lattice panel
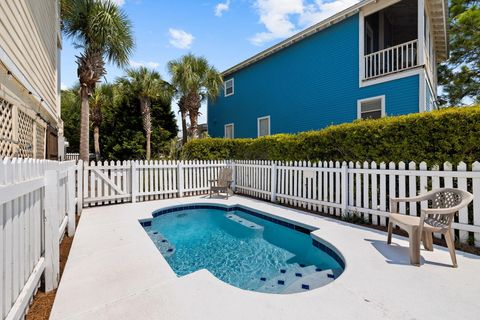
{"type": "Point", "coordinates": [40, 142]}
{"type": "Point", "coordinates": [25, 135]}
{"type": "Point", "coordinates": [7, 145]}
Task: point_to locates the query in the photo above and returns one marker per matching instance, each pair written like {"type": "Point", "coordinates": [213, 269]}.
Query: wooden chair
{"type": "Point", "coordinates": [222, 184]}
{"type": "Point", "coordinates": [443, 204]}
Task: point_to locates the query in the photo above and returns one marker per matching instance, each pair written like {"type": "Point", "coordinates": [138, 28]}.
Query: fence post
{"type": "Point", "coordinates": [79, 186]}
{"type": "Point", "coordinates": [180, 178]}
{"type": "Point", "coordinates": [234, 175]}
{"type": "Point", "coordinates": [71, 200]}
{"type": "Point", "coordinates": [52, 246]}
{"type": "Point", "coordinates": [134, 181]}
{"type": "Point", "coordinates": [273, 187]}
{"type": "Point", "coordinates": [344, 187]}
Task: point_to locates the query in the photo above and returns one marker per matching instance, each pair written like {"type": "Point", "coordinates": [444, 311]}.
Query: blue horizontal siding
{"type": "Point", "coordinates": [307, 86]}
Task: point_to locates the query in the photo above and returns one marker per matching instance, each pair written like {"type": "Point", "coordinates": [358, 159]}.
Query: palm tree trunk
{"type": "Point", "coordinates": [192, 104]}
{"type": "Point", "coordinates": [147, 122]}
{"type": "Point", "coordinates": [84, 124]}
{"type": "Point", "coordinates": [96, 141]}
{"type": "Point", "coordinates": [193, 124]}
{"type": "Point", "coordinates": [184, 127]}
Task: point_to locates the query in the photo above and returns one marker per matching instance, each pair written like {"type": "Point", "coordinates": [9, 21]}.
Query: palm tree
{"type": "Point", "coordinates": [195, 80]}
{"type": "Point", "coordinates": [146, 85]}
{"type": "Point", "coordinates": [104, 33]}
{"type": "Point", "coordinates": [101, 96]}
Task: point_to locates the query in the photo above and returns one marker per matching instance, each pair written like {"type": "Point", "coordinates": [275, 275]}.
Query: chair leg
{"type": "Point", "coordinates": [414, 241]}
{"type": "Point", "coordinates": [390, 229]}
{"type": "Point", "coordinates": [427, 240]}
{"type": "Point", "coordinates": [451, 247]}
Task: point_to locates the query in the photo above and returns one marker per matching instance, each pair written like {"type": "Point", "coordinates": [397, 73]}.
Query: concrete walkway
{"type": "Point", "coordinates": [115, 272]}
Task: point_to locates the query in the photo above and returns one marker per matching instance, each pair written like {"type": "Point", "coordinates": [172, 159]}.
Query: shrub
{"type": "Point", "coordinates": [451, 134]}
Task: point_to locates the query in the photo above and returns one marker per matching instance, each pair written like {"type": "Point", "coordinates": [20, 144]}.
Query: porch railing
{"type": "Point", "coordinates": [390, 60]}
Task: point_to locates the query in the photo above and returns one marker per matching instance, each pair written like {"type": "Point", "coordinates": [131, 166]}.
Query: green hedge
{"type": "Point", "coordinates": [451, 134]}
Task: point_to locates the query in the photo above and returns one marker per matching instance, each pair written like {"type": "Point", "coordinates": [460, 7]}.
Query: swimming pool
{"type": "Point", "coordinates": [244, 248]}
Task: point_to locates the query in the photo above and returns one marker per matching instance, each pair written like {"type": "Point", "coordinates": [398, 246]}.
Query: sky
{"type": "Point", "coordinates": [226, 32]}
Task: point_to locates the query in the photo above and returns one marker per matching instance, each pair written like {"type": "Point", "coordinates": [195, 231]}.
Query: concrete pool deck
{"type": "Point", "coordinates": [114, 271]}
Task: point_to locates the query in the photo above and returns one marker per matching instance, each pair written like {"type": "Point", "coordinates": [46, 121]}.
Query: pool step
{"type": "Point", "coordinates": [296, 278]}
{"type": "Point", "coordinates": [244, 222]}
{"type": "Point", "coordinates": [164, 246]}
{"type": "Point", "coordinates": [311, 281]}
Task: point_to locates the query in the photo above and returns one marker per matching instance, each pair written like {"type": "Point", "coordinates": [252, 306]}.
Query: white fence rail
{"type": "Point", "coordinates": [394, 59]}
{"type": "Point", "coordinates": [363, 188]}
{"type": "Point", "coordinates": [37, 205]}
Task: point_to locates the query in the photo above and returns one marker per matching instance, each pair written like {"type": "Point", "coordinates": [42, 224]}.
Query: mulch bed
{"type": "Point", "coordinates": [43, 302]}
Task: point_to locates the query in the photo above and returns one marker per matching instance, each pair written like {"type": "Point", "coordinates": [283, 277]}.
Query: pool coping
{"type": "Point", "coordinates": [115, 271]}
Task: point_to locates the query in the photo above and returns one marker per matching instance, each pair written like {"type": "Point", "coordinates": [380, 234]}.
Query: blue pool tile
{"type": "Point", "coordinates": [164, 240]}
{"type": "Point", "coordinates": [170, 250]}
{"type": "Point", "coordinates": [330, 275]}
{"type": "Point", "coordinates": [155, 232]}
{"type": "Point", "coordinates": [283, 270]}
{"type": "Point", "coordinates": [281, 282]}
{"type": "Point", "coordinates": [305, 286]}
{"type": "Point", "coordinates": [263, 279]}
{"type": "Point", "coordinates": [298, 274]}
{"type": "Point", "coordinates": [302, 229]}
{"type": "Point", "coordinates": [318, 269]}
{"type": "Point", "coordinates": [302, 265]}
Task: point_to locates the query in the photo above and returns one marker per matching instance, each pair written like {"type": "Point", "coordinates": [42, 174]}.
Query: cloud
{"type": "Point", "coordinates": [180, 38]}
{"type": "Point", "coordinates": [63, 86]}
{"type": "Point", "coordinates": [149, 64]}
{"type": "Point", "coordinates": [118, 2]}
{"type": "Point", "coordinates": [283, 18]}
{"type": "Point", "coordinates": [222, 7]}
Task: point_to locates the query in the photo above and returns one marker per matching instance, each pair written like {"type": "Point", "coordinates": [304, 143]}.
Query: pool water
{"type": "Point", "coordinates": [243, 250]}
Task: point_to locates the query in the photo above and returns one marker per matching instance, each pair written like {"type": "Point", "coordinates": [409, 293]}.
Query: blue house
{"type": "Point", "coordinates": [376, 58]}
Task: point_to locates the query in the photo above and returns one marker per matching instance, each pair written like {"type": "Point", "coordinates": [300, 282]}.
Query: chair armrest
{"type": "Point", "coordinates": [394, 201]}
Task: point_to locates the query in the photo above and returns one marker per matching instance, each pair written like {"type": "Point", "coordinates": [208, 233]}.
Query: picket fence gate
{"type": "Point", "coordinates": [37, 206]}
{"type": "Point", "coordinates": [111, 182]}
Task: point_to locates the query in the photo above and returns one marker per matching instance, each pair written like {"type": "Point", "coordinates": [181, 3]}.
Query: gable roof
{"type": "Point", "coordinates": [439, 26]}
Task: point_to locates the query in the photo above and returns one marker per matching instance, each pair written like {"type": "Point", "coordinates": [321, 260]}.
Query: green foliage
{"type": "Point", "coordinates": [460, 74]}
{"type": "Point", "coordinates": [121, 130]}
{"type": "Point", "coordinates": [450, 134]}
{"type": "Point", "coordinates": [70, 112]}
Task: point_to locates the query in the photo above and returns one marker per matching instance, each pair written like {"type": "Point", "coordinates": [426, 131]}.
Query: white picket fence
{"type": "Point", "coordinates": [38, 197]}
{"type": "Point", "coordinates": [37, 205]}
{"type": "Point", "coordinates": [362, 188]}
{"type": "Point", "coordinates": [329, 187]}
{"type": "Point", "coordinates": [72, 156]}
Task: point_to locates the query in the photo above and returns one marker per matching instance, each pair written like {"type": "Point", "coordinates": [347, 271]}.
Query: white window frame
{"type": "Point", "coordinates": [359, 105]}
{"type": "Point", "coordinates": [232, 80]}
{"type": "Point", "coordinates": [258, 125]}
{"type": "Point", "coordinates": [225, 130]}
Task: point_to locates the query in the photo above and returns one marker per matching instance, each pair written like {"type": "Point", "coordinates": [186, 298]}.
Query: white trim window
{"type": "Point", "coordinates": [371, 108]}
{"type": "Point", "coordinates": [229, 131]}
{"type": "Point", "coordinates": [263, 126]}
{"type": "Point", "coordinates": [229, 87]}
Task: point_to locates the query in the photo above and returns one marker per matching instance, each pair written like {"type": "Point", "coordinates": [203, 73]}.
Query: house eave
{"type": "Point", "coordinates": [342, 15]}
